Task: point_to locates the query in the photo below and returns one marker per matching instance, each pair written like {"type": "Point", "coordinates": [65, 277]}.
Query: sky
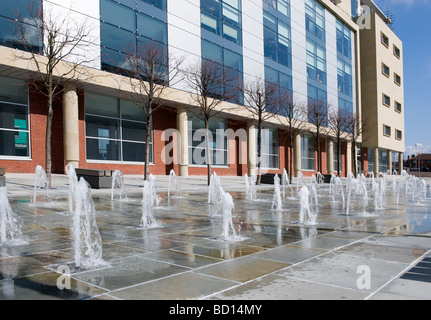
{"type": "Point", "coordinates": [410, 24]}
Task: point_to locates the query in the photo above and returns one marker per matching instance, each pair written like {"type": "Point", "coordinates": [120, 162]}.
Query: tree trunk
{"type": "Point", "coordinates": [290, 158]}
{"type": "Point", "coordinates": [318, 151]}
{"type": "Point", "coordinates": [48, 158]}
{"type": "Point", "coordinates": [259, 151]}
{"type": "Point", "coordinates": [147, 146]}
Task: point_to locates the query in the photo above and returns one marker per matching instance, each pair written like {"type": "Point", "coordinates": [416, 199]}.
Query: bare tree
{"type": "Point", "coordinates": [292, 115]}
{"type": "Point", "coordinates": [151, 70]}
{"type": "Point", "coordinates": [317, 111]}
{"type": "Point", "coordinates": [338, 123]}
{"type": "Point", "coordinates": [59, 61]}
{"type": "Point", "coordinates": [356, 127]}
{"type": "Point", "coordinates": [209, 83]}
{"type": "Point", "coordinates": [261, 100]}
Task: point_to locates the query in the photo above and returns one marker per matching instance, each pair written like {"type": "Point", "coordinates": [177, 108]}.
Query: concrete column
{"type": "Point", "coordinates": [251, 147]}
{"type": "Point", "coordinates": [400, 162]}
{"type": "Point", "coordinates": [330, 157]}
{"type": "Point", "coordinates": [349, 157]}
{"type": "Point", "coordinates": [71, 126]}
{"type": "Point", "coordinates": [376, 161]}
{"type": "Point", "coordinates": [182, 127]}
{"type": "Point", "coordinates": [389, 161]}
{"type": "Point", "coordinates": [297, 155]}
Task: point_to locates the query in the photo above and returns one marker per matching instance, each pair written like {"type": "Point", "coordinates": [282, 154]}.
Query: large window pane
{"type": "Point", "coordinates": [152, 28]}
{"type": "Point", "coordinates": [134, 131]}
{"type": "Point", "coordinates": [117, 39]}
{"type": "Point", "coordinates": [117, 15]}
{"type": "Point", "coordinates": [13, 116]}
{"type": "Point", "coordinates": [101, 105]}
{"type": "Point", "coordinates": [101, 149]}
{"type": "Point", "coordinates": [14, 143]}
{"type": "Point", "coordinates": [99, 127]}
{"type": "Point", "coordinates": [135, 152]}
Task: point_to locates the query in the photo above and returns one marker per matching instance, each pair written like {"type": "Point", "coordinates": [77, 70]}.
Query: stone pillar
{"type": "Point", "coordinates": [330, 157]}
{"type": "Point", "coordinates": [297, 155]}
{"type": "Point", "coordinates": [182, 127]}
{"type": "Point", "coordinates": [71, 126]}
{"type": "Point", "coordinates": [251, 147]}
{"type": "Point", "coordinates": [376, 161]}
{"type": "Point", "coordinates": [348, 157]}
{"type": "Point", "coordinates": [389, 161]}
{"type": "Point", "coordinates": [400, 162]}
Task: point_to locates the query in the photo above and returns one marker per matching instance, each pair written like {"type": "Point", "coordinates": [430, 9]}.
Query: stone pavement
{"type": "Point", "coordinates": [376, 254]}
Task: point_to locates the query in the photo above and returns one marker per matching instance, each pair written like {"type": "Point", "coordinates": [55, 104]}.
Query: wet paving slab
{"type": "Point", "coordinates": [274, 257]}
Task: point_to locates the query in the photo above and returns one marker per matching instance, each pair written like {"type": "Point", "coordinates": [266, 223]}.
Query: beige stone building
{"type": "Point", "coordinates": [382, 82]}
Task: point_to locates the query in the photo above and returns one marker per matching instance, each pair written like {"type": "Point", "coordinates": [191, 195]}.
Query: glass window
{"type": "Point", "coordinates": [307, 152]}
{"type": "Point", "coordinates": [315, 19]}
{"type": "Point", "coordinates": [277, 42]}
{"type": "Point", "coordinates": [218, 142]}
{"type": "Point", "coordinates": [14, 124]}
{"type": "Point", "coordinates": [152, 28]}
{"type": "Point", "coordinates": [386, 130]}
{"type": "Point", "coordinates": [124, 30]}
{"type": "Point", "coordinates": [269, 149]}
{"type": "Point", "coordinates": [118, 15]}
{"type": "Point", "coordinates": [316, 62]}
{"type": "Point", "coordinates": [222, 17]}
{"type": "Point", "coordinates": [385, 39]}
{"type": "Point", "coordinates": [385, 70]}
{"type": "Point", "coordinates": [398, 106]}
{"type": "Point", "coordinates": [115, 129]}
{"type": "Point", "coordinates": [398, 134]}
{"type": "Point", "coordinates": [397, 79]}
{"type": "Point", "coordinates": [386, 100]}
{"type": "Point", "coordinates": [383, 161]}
{"type": "Point", "coordinates": [26, 11]}
{"type": "Point", "coordinates": [397, 52]}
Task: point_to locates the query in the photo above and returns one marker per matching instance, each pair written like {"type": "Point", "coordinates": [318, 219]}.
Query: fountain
{"type": "Point", "coordinates": [10, 224]}
{"type": "Point", "coordinates": [227, 206]}
{"type": "Point", "coordinates": [215, 195]}
{"type": "Point", "coordinates": [117, 183]}
{"type": "Point", "coordinates": [152, 180]}
{"type": "Point", "coordinates": [336, 187]}
{"type": "Point", "coordinates": [276, 200]}
{"type": "Point", "coordinates": [148, 201]}
{"type": "Point", "coordinates": [41, 181]}
{"type": "Point", "coordinates": [248, 194]}
{"type": "Point", "coordinates": [379, 192]}
{"type": "Point", "coordinates": [299, 181]}
{"type": "Point", "coordinates": [173, 179]}
{"type": "Point", "coordinates": [73, 180]}
{"type": "Point", "coordinates": [87, 239]}
{"type": "Point", "coordinates": [285, 182]}
{"type": "Point", "coordinates": [306, 215]}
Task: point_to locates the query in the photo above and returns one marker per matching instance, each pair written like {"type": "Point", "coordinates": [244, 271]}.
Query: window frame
{"type": "Point", "coordinates": [384, 102]}
{"type": "Point", "coordinates": [395, 107]}
{"type": "Point", "coordinates": [396, 135]}
{"type": "Point", "coordinates": [384, 39]}
{"type": "Point", "coordinates": [28, 131]}
{"type": "Point", "coordinates": [384, 66]}
{"type": "Point", "coordinates": [385, 126]}
{"type": "Point", "coordinates": [396, 75]}
{"type": "Point", "coordinates": [120, 140]}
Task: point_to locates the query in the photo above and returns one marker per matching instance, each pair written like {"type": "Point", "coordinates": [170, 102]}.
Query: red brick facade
{"type": "Point", "coordinates": [164, 118]}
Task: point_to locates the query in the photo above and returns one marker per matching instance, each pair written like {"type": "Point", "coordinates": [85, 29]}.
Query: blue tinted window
{"type": "Point", "coordinates": [126, 29]}
{"type": "Point", "coordinates": [315, 19]}
{"type": "Point", "coordinates": [222, 17]}
{"type": "Point", "coordinates": [20, 15]}
{"type": "Point", "coordinates": [277, 40]}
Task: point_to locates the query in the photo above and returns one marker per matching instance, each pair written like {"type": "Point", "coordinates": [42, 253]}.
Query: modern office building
{"type": "Point", "coordinates": [313, 48]}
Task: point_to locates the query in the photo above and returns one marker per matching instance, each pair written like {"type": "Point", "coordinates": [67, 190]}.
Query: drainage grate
{"type": "Point", "coordinates": [420, 272]}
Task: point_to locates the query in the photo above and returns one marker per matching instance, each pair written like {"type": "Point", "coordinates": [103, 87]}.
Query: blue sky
{"type": "Point", "coordinates": [411, 18]}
